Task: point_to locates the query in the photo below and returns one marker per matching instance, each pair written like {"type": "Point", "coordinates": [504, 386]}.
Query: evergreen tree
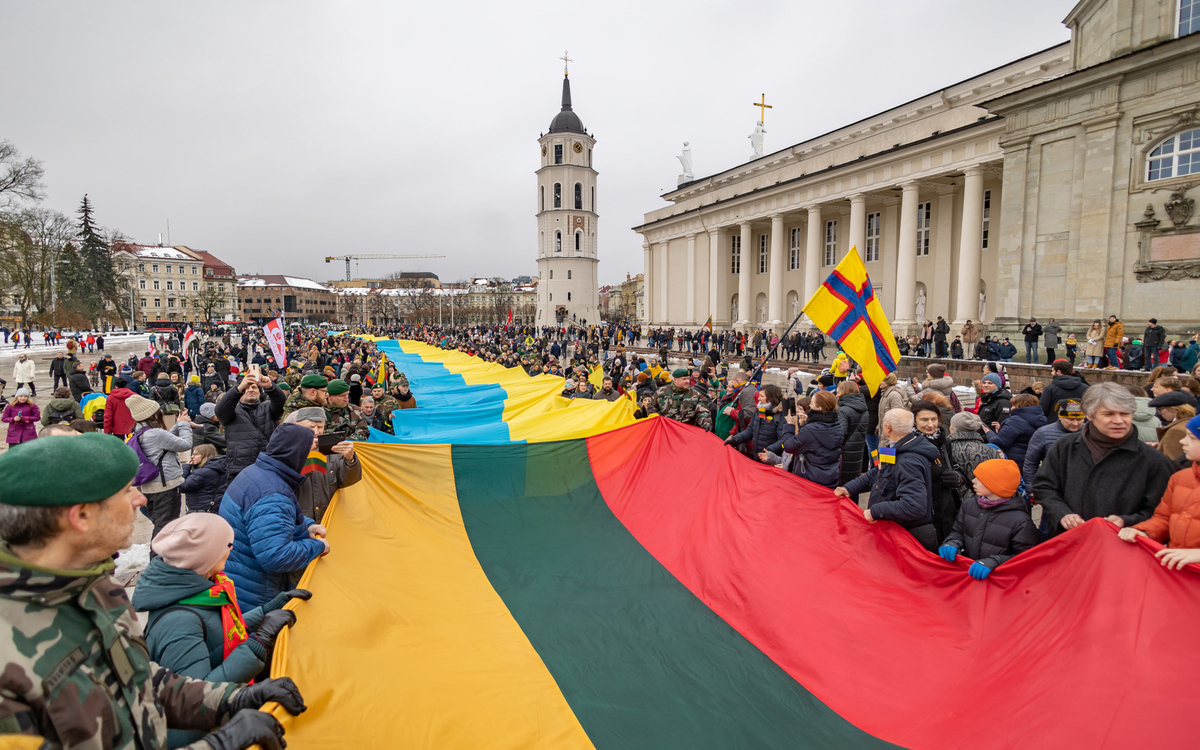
{"type": "Point", "coordinates": [77, 296]}
{"type": "Point", "coordinates": [96, 259]}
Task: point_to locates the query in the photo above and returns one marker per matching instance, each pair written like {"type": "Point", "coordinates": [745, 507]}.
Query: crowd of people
{"type": "Point", "coordinates": [235, 459]}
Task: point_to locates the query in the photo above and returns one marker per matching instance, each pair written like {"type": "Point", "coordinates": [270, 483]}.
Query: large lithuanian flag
{"type": "Point", "coordinates": [647, 587]}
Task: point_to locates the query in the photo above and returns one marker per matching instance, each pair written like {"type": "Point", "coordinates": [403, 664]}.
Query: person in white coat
{"type": "Point", "coordinates": [23, 372]}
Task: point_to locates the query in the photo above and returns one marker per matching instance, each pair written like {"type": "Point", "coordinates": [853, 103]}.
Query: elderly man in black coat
{"type": "Point", "coordinates": [249, 414]}
{"type": "Point", "coordinates": [1102, 471]}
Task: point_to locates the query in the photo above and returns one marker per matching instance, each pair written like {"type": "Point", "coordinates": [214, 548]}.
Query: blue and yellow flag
{"type": "Point", "coordinates": [845, 309]}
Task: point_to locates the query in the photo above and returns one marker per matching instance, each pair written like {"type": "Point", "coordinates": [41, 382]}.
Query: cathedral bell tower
{"type": "Point", "coordinates": [567, 222]}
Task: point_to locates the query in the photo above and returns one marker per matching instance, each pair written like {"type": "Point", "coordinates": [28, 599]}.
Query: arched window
{"type": "Point", "coordinates": [577, 242]}
{"type": "Point", "coordinates": [552, 273]}
{"type": "Point", "coordinates": [593, 200]}
{"type": "Point", "coordinates": [578, 197]}
{"type": "Point", "coordinates": [557, 195]}
{"type": "Point", "coordinates": [558, 242]}
{"type": "Point", "coordinates": [568, 273]}
{"type": "Point", "coordinates": [1177, 156]}
{"type": "Point", "coordinates": [543, 198]}
{"type": "Point", "coordinates": [568, 296]}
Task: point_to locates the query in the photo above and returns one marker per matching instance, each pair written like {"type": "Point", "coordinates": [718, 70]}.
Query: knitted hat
{"type": "Point", "coordinates": [355, 378]}
{"type": "Point", "coordinates": [23, 392]}
{"type": "Point", "coordinates": [141, 408]}
{"type": "Point", "coordinates": [994, 379]}
{"type": "Point", "coordinates": [1070, 408]}
{"type": "Point", "coordinates": [338, 387]}
{"type": "Point", "coordinates": [314, 381]}
{"type": "Point", "coordinates": [31, 474]}
{"type": "Point", "coordinates": [681, 372]}
{"type": "Point", "coordinates": [208, 411]}
{"type": "Point", "coordinates": [193, 378]}
{"type": "Point", "coordinates": [999, 475]}
{"type": "Point", "coordinates": [965, 421]}
{"type": "Point", "coordinates": [196, 542]}
{"type": "Point", "coordinates": [1193, 426]}
{"type": "Point", "coordinates": [309, 414]}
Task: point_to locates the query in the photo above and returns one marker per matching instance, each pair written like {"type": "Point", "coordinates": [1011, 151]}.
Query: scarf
{"type": "Point", "coordinates": [987, 502]}
{"type": "Point", "coordinates": [1099, 444]}
{"type": "Point", "coordinates": [233, 630]}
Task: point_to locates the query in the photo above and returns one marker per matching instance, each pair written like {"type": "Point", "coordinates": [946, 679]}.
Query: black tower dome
{"type": "Point", "coordinates": [566, 121]}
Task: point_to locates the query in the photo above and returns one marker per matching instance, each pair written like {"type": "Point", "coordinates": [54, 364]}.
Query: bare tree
{"type": "Point", "coordinates": [20, 179]}
{"type": "Point", "coordinates": [34, 241]}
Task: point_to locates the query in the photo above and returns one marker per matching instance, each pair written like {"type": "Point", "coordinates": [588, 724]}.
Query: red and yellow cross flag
{"type": "Point", "coordinates": [845, 309]}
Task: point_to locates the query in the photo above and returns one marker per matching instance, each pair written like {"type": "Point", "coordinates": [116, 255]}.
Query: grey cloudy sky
{"type": "Point", "coordinates": [274, 133]}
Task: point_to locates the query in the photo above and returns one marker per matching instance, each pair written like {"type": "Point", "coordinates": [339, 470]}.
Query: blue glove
{"type": "Point", "coordinates": [979, 571]}
{"type": "Point", "coordinates": [948, 552]}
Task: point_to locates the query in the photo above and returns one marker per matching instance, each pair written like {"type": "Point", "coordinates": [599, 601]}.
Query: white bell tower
{"type": "Point", "coordinates": [568, 287]}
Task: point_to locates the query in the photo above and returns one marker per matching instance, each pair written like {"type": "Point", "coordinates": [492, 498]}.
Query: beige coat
{"type": "Point", "coordinates": [1095, 334]}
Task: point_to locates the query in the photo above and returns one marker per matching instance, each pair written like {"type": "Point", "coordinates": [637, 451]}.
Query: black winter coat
{"type": "Point", "coordinates": [204, 487]}
{"type": "Point", "coordinates": [872, 407]}
{"type": "Point", "coordinates": [852, 414]}
{"type": "Point", "coordinates": [901, 492]}
{"type": "Point", "coordinates": [79, 385]}
{"type": "Point", "coordinates": [209, 433]}
{"type": "Point", "coordinates": [1016, 431]}
{"type": "Point", "coordinates": [247, 428]}
{"type": "Point", "coordinates": [817, 445]}
{"type": "Point", "coordinates": [1062, 386]}
{"type": "Point", "coordinates": [993, 535]}
{"type": "Point", "coordinates": [1129, 482]}
{"type": "Point", "coordinates": [994, 407]}
{"type": "Point", "coordinates": [764, 433]}
{"type": "Point", "coordinates": [164, 393]}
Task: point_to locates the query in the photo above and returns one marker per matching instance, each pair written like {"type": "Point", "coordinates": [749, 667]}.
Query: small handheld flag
{"type": "Point", "coordinates": [845, 308]}
{"type": "Point", "coordinates": [381, 378]}
{"type": "Point", "coordinates": [315, 462]}
{"type": "Point", "coordinates": [887, 455]}
{"type": "Point", "coordinates": [708, 324]}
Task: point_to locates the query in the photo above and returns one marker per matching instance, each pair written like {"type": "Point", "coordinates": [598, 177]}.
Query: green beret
{"type": "Point", "coordinates": [32, 474]}
{"type": "Point", "coordinates": [338, 387]}
{"type": "Point", "coordinates": [283, 386]}
{"type": "Point", "coordinates": [314, 381]}
{"type": "Point", "coordinates": [681, 372]}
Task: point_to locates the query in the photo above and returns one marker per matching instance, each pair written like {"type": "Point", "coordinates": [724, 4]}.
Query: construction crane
{"type": "Point", "coordinates": [349, 258]}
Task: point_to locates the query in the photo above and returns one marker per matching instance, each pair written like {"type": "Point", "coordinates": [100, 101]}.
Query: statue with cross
{"type": "Point", "coordinates": [756, 138]}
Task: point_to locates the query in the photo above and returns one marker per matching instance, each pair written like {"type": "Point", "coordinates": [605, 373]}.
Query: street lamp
{"type": "Point", "coordinates": [133, 310]}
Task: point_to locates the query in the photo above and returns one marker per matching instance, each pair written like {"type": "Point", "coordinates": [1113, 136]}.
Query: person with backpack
{"type": "Point", "coordinates": [117, 419]}
{"type": "Point", "coordinates": [159, 472]}
{"type": "Point", "coordinates": [166, 394]}
{"type": "Point", "coordinates": [195, 626]}
{"type": "Point", "coordinates": [62, 409]}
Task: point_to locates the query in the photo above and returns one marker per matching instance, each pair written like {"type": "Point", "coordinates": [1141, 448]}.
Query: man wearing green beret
{"type": "Point", "coordinates": [313, 391]}
{"type": "Point", "coordinates": [59, 608]}
{"type": "Point", "coordinates": [679, 402]}
{"type": "Point", "coordinates": [343, 416]}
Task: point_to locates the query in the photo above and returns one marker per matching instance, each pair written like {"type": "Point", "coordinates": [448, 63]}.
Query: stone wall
{"type": "Point", "coordinates": [1020, 375]}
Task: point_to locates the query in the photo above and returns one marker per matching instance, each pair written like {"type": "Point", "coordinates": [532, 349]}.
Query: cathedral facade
{"type": "Point", "coordinates": [567, 222]}
{"type": "Point", "coordinates": [1054, 186]}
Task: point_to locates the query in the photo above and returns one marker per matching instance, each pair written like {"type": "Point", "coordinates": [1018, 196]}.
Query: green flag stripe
{"type": "Point", "coordinates": [642, 662]}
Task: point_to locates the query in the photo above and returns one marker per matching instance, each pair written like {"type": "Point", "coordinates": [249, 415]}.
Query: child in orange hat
{"type": "Point", "coordinates": [993, 525]}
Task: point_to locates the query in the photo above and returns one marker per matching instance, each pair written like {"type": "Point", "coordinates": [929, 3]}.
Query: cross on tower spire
{"type": "Point", "coordinates": [566, 61]}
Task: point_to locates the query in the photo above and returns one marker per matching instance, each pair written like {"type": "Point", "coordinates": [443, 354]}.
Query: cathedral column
{"type": "Point", "coordinates": [906, 260]}
{"type": "Point", "coordinates": [648, 283]}
{"type": "Point", "coordinates": [745, 304]}
{"type": "Point", "coordinates": [775, 286]}
{"type": "Point", "coordinates": [714, 267]}
{"type": "Point", "coordinates": [691, 279]}
{"type": "Point", "coordinates": [812, 254]}
{"type": "Point", "coordinates": [664, 282]}
{"type": "Point", "coordinates": [970, 248]}
{"type": "Point", "coordinates": [858, 223]}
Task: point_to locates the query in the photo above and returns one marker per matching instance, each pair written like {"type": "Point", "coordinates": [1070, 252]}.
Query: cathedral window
{"type": "Point", "coordinates": [1178, 155]}
{"type": "Point", "coordinates": [593, 200]}
{"type": "Point", "coordinates": [987, 217]}
{"type": "Point", "coordinates": [568, 273]}
{"type": "Point", "coordinates": [794, 253]}
{"type": "Point", "coordinates": [830, 243]}
{"type": "Point", "coordinates": [923, 214]}
{"type": "Point", "coordinates": [873, 227]}
{"type": "Point", "coordinates": [543, 188]}
{"type": "Point", "coordinates": [568, 296]}
{"type": "Point", "coordinates": [577, 236]}
{"type": "Point", "coordinates": [557, 195]}
{"type": "Point", "coordinates": [735, 254]}
{"type": "Point", "coordinates": [1189, 17]}
{"type": "Point", "coordinates": [558, 153]}
{"type": "Point", "coordinates": [578, 197]}
{"type": "Point", "coordinates": [558, 242]}
{"type": "Point", "coordinates": [762, 253]}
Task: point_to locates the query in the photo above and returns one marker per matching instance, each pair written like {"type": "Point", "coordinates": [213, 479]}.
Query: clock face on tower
{"type": "Point", "coordinates": [543, 150]}
{"type": "Point", "coordinates": [578, 147]}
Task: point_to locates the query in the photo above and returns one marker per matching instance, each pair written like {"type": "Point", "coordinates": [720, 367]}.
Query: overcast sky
{"type": "Point", "coordinates": [273, 134]}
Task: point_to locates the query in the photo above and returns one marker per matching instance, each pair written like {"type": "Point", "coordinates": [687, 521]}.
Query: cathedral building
{"type": "Point", "coordinates": [1054, 186]}
{"type": "Point", "coordinates": [567, 222]}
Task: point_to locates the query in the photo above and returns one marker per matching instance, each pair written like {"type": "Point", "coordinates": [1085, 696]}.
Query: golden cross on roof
{"type": "Point", "coordinates": [566, 61]}
{"type": "Point", "coordinates": [762, 117]}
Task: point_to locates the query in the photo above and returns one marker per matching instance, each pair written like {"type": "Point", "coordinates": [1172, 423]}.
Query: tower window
{"type": "Point", "coordinates": [557, 195]}
{"type": "Point", "coordinates": [543, 189]}
{"type": "Point", "coordinates": [558, 242]}
{"type": "Point", "coordinates": [577, 242]}
{"type": "Point", "coordinates": [552, 273]}
{"type": "Point", "coordinates": [589, 158]}
{"type": "Point", "coordinates": [578, 197]}
{"type": "Point", "coordinates": [558, 153]}
{"type": "Point", "coordinates": [568, 296]}
{"type": "Point", "coordinates": [568, 273]}
{"type": "Point", "coordinates": [593, 200]}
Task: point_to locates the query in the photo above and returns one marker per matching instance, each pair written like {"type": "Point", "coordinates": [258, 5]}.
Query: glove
{"type": "Point", "coordinates": [950, 478]}
{"type": "Point", "coordinates": [248, 728]}
{"type": "Point", "coordinates": [281, 690]}
{"type": "Point", "coordinates": [272, 625]}
{"type": "Point", "coordinates": [979, 571]}
{"type": "Point", "coordinates": [280, 600]}
{"type": "Point", "coordinates": [948, 552]}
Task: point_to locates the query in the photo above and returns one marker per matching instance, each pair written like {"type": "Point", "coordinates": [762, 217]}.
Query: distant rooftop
{"type": "Point", "coordinates": [265, 280]}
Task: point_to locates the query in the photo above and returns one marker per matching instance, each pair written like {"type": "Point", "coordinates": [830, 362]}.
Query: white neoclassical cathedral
{"type": "Point", "coordinates": [567, 223]}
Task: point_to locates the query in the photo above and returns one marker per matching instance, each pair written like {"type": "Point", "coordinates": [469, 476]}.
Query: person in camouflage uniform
{"type": "Point", "coordinates": [313, 391]}
{"type": "Point", "coordinates": [679, 402]}
{"type": "Point", "coordinates": [343, 416]}
{"type": "Point", "coordinates": [77, 672]}
{"type": "Point", "coordinates": [292, 377]}
{"type": "Point", "coordinates": [384, 404]}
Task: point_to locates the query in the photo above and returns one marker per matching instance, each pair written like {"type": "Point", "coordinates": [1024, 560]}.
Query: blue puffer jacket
{"type": "Point", "coordinates": [270, 533]}
{"type": "Point", "coordinates": [193, 399]}
{"type": "Point", "coordinates": [817, 446]}
{"type": "Point", "coordinates": [1014, 435]}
